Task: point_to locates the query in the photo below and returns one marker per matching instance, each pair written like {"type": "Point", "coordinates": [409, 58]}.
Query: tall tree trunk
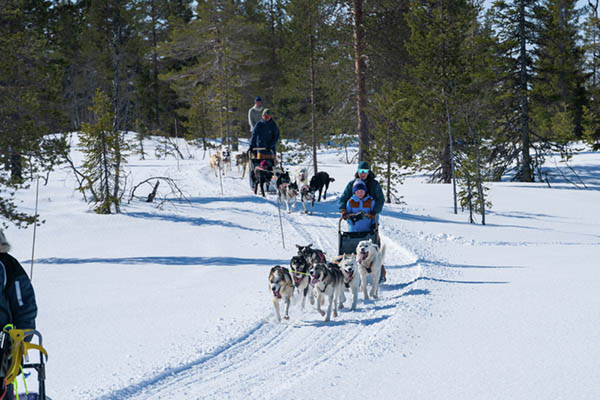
{"type": "Point", "coordinates": [525, 173]}
{"type": "Point", "coordinates": [155, 67]}
{"type": "Point", "coordinates": [360, 69]}
{"type": "Point", "coordinates": [451, 151]}
{"type": "Point", "coordinates": [313, 121]}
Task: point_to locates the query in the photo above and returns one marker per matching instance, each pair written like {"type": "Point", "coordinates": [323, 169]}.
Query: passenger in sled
{"type": "Point", "coordinates": [360, 205]}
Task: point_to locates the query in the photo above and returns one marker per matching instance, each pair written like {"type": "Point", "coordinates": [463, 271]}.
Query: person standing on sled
{"type": "Point", "coordinates": [374, 190]}
{"type": "Point", "coordinates": [17, 299]}
{"type": "Point", "coordinates": [255, 113]}
{"type": "Point", "coordinates": [265, 136]}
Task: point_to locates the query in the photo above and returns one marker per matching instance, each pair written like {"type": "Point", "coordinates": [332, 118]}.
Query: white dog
{"type": "Point", "coordinates": [327, 281]}
{"type": "Point", "coordinates": [282, 288]}
{"type": "Point", "coordinates": [220, 160]}
{"type": "Point", "coordinates": [351, 275]}
{"type": "Point", "coordinates": [301, 177]}
{"type": "Point", "coordinates": [370, 259]}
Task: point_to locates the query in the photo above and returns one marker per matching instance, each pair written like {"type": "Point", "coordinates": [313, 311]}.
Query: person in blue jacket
{"type": "Point", "coordinates": [373, 189]}
{"type": "Point", "coordinates": [360, 201]}
{"type": "Point", "coordinates": [263, 144]}
{"type": "Point", "coordinates": [17, 298]}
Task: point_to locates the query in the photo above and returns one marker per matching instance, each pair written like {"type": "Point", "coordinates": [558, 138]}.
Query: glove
{"type": "Point", "coordinates": [372, 215]}
{"type": "Point", "coordinates": [344, 214]}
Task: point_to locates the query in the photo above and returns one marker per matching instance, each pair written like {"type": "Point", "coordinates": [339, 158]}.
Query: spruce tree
{"type": "Point", "coordinates": [104, 149]}
{"type": "Point", "coordinates": [514, 24]}
{"type": "Point", "coordinates": [30, 102]}
{"type": "Point", "coordinates": [557, 93]}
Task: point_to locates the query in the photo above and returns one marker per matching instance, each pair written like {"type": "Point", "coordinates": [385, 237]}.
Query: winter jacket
{"type": "Point", "coordinates": [366, 205]}
{"type": "Point", "coordinates": [254, 115]}
{"type": "Point", "coordinates": [265, 135]}
{"type": "Point", "coordinates": [17, 301]}
{"type": "Point", "coordinates": [373, 189]}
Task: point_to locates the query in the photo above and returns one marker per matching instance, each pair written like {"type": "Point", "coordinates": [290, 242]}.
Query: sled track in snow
{"type": "Point", "coordinates": [290, 352]}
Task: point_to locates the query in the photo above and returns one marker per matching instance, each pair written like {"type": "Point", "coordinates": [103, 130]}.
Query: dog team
{"type": "Point", "coordinates": [288, 187]}
{"type": "Point", "coordinates": [310, 275]}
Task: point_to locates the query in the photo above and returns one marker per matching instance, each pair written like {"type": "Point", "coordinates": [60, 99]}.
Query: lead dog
{"type": "Point", "coordinates": [299, 270]}
{"type": "Point", "coordinates": [349, 268]}
{"type": "Point", "coordinates": [241, 161]}
{"type": "Point", "coordinates": [282, 288]}
{"type": "Point", "coordinates": [220, 160]}
{"type": "Point", "coordinates": [328, 282]}
{"type": "Point", "coordinates": [287, 190]}
{"type": "Point", "coordinates": [370, 259]}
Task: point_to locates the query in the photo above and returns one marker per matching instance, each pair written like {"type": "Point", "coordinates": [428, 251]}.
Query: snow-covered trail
{"type": "Point", "coordinates": [296, 350]}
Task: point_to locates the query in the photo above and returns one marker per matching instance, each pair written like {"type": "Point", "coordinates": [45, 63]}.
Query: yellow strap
{"type": "Point", "coordinates": [19, 347]}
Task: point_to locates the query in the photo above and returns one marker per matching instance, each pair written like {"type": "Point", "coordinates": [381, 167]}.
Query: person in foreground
{"type": "Point", "coordinates": [17, 299]}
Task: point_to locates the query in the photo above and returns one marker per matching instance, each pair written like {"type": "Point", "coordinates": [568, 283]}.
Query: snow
{"type": "Point", "coordinates": [173, 303]}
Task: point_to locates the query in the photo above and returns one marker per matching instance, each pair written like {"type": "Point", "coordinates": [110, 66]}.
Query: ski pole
{"type": "Point", "coordinates": [37, 190]}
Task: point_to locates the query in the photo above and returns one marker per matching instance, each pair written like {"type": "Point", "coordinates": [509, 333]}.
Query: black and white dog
{"type": "Point", "coordinates": [311, 255]}
{"type": "Point", "coordinates": [319, 182]}
{"type": "Point", "coordinates": [286, 189]}
{"type": "Point", "coordinates": [307, 196]}
{"type": "Point", "coordinates": [263, 173]}
{"type": "Point", "coordinates": [282, 288]}
{"type": "Point", "coordinates": [328, 282]}
{"type": "Point", "coordinates": [299, 271]}
{"type": "Point", "coordinates": [242, 160]}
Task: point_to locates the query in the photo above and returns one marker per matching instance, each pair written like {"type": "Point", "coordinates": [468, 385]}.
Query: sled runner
{"type": "Point", "coordinates": [14, 359]}
{"type": "Point", "coordinates": [347, 241]}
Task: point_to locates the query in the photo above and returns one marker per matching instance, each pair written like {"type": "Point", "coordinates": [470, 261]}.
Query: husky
{"type": "Point", "coordinates": [319, 182]}
{"type": "Point", "coordinates": [307, 196]}
{"type": "Point", "coordinates": [262, 174]}
{"type": "Point", "coordinates": [301, 177]}
{"type": "Point", "coordinates": [311, 255]}
{"type": "Point", "coordinates": [241, 161]}
{"type": "Point", "coordinates": [282, 288]}
{"type": "Point", "coordinates": [328, 282]}
{"type": "Point", "coordinates": [287, 190]}
{"type": "Point", "coordinates": [349, 267]}
{"type": "Point", "coordinates": [220, 160]}
{"type": "Point", "coordinates": [370, 260]}
{"type": "Point", "coordinates": [225, 158]}
{"type": "Point", "coordinates": [299, 269]}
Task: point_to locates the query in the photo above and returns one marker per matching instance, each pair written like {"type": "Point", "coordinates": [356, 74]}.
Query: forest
{"type": "Point", "coordinates": [471, 94]}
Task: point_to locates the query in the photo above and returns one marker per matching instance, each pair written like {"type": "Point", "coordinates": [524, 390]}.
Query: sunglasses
{"type": "Point", "coordinates": [363, 171]}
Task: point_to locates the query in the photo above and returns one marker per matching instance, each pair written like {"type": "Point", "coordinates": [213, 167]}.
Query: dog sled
{"type": "Point", "coordinates": [347, 241]}
{"type": "Point", "coordinates": [15, 359]}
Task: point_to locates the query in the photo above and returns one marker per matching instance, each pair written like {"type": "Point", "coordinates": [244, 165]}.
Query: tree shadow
{"type": "Point", "coordinates": [197, 221]}
{"type": "Point", "coordinates": [166, 260]}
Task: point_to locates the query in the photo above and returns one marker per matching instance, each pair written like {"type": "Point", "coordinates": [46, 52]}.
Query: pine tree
{"type": "Point", "coordinates": [591, 111]}
{"type": "Point", "coordinates": [436, 74]}
{"type": "Point", "coordinates": [104, 149]}
{"type": "Point", "coordinates": [557, 93]}
{"type": "Point", "coordinates": [29, 102]}
{"type": "Point", "coordinates": [514, 24]}
{"type": "Point", "coordinates": [213, 52]}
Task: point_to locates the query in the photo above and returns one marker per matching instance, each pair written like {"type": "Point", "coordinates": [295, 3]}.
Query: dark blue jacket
{"type": "Point", "coordinates": [17, 300]}
{"type": "Point", "coordinates": [373, 188]}
{"type": "Point", "coordinates": [265, 134]}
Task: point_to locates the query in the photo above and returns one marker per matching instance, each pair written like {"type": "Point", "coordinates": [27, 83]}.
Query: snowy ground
{"type": "Point", "coordinates": [173, 303]}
